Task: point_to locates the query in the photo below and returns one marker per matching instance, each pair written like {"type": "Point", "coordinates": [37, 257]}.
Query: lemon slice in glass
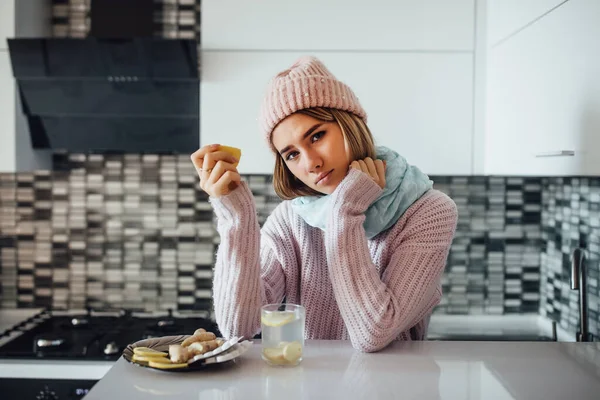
{"type": "Point", "coordinates": [292, 351]}
{"type": "Point", "coordinates": [278, 318]}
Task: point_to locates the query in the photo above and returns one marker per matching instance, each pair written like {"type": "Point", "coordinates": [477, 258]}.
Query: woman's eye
{"type": "Point", "coordinates": [317, 136]}
{"type": "Point", "coordinates": [291, 155]}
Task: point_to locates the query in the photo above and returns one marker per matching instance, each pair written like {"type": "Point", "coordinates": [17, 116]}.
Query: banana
{"type": "Point", "coordinates": [159, 365]}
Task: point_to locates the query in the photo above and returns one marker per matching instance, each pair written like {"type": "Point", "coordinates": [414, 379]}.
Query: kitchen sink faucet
{"type": "Point", "coordinates": [579, 282]}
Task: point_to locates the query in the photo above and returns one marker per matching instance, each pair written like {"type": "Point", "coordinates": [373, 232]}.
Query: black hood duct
{"type": "Point", "coordinates": [118, 90]}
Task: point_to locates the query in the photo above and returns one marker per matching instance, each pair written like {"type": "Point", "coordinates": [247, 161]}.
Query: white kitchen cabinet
{"type": "Point", "coordinates": [419, 104]}
{"type": "Point", "coordinates": [7, 22]}
{"type": "Point", "coordinates": [7, 114]}
{"type": "Point", "coordinates": [544, 96]}
{"type": "Point", "coordinates": [338, 25]}
{"type": "Point", "coordinates": [508, 16]}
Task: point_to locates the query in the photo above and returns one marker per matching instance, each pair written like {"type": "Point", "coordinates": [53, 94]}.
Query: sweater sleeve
{"type": "Point", "coordinates": [376, 309]}
{"type": "Point", "coordinates": [247, 275]}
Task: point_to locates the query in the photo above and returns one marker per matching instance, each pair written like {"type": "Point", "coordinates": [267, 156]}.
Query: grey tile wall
{"type": "Point", "coordinates": [494, 263]}
{"type": "Point", "coordinates": [106, 231]}
{"type": "Point", "coordinates": [570, 219]}
{"type": "Point", "coordinates": [135, 231]}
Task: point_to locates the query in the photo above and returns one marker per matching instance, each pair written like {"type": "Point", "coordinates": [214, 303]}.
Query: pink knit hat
{"type": "Point", "coordinates": [306, 84]}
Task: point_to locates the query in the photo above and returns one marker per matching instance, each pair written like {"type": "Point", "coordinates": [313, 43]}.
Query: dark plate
{"type": "Point", "coordinates": [160, 344]}
{"type": "Point", "coordinates": [231, 350]}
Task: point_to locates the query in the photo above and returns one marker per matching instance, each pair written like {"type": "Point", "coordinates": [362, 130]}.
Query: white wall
{"type": "Point", "coordinates": [508, 17]}
{"type": "Point", "coordinates": [410, 63]}
{"type": "Point", "coordinates": [7, 114]}
{"type": "Point", "coordinates": [7, 22]}
{"type": "Point", "coordinates": [353, 25]}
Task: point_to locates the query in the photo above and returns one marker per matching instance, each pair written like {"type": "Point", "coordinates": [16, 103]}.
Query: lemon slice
{"type": "Point", "coordinates": [159, 365]}
{"type": "Point", "coordinates": [274, 355]}
{"type": "Point", "coordinates": [292, 351]}
{"type": "Point", "coordinates": [234, 151]}
{"type": "Point", "coordinates": [148, 352]}
{"type": "Point", "coordinates": [139, 357]}
{"type": "Point", "coordinates": [279, 318]}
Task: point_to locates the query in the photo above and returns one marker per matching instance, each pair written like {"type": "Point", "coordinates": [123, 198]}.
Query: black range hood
{"type": "Point", "coordinates": [129, 93]}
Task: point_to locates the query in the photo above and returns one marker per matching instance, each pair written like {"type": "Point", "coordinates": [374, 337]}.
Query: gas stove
{"type": "Point", "coordinates": [92, 336]}
{"type": "Point", "coordinates": [58, 355]}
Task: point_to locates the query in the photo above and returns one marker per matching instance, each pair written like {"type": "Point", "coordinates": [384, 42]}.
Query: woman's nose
{"type": "Point", "coordinates": [313, 161]}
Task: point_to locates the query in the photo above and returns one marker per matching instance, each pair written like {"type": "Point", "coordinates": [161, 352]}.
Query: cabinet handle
{"type": "Point", "coordinates": [559, 153]}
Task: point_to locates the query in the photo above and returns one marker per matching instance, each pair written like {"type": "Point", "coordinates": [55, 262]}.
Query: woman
{"type": "Point", "coordinates": [361, 238]}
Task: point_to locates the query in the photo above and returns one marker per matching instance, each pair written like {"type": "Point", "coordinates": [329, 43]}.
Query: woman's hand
{"type": "Point", "coordinates": [218, 176]}
{"type": "Point", "coordinates": [375, 169]}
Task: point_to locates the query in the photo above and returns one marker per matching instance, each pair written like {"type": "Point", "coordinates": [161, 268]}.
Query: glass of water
{"type": "Point", "coordinates": [282, 333]}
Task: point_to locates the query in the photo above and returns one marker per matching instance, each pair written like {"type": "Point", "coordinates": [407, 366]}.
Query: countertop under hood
{"type": "Point", "coordinates": [109, 95]}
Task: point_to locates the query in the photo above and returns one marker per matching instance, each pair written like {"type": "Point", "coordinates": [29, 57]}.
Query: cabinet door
{"type": "Point", "coordinates": [7, 22]}
{"type": "Point", "coordinates": [506, 17]}
{"type": "Point", "coordinates": [7, 114]}
{"type": "Point", "coordinates": [338, 25]}
{"type": "Point", "coordinates": [419, 104]}
{"type": "Point", "coordinates": [544, 96]}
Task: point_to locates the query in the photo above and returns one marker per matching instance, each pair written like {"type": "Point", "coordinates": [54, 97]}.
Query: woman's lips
{"type": "Point", "coordinates": [323, 178]}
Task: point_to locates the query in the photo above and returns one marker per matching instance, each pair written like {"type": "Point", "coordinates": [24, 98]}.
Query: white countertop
{"type": "Point", "coordinates": [496, 325]}
{"type": "Point", "coordinates": [439, 325]}
{"type": "Point", "coordinates": [404, 370]}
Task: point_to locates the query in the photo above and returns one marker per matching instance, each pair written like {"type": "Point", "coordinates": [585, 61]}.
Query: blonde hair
{"type": "Point", "coordinates": [356, 134]}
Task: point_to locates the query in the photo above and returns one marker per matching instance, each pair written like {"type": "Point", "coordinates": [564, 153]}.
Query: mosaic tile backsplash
{"type": "Point", "coordinates": [494, 262]}
{"type": "Point", "coordinates": [135, 231]}
{"type": "Point", "coordinates": [570, 219]}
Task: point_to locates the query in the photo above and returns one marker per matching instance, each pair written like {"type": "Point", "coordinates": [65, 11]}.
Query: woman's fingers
{"type": "Point", "coordinates": [198, 156]}
{"type": "Point", "coordinates": [363, 166]}
{"type": "Point", "coordinates": [380, 167]}
{"type": "Point", "coordinates": [374, 168]}
{"type": "Point", "coordinates": [218, 171]}
{"type": "Point", "coordinates": [218, 175]}
{"type": "Point", "coordinates": [371, 168]}
{"type": "Point", "coordinates": [210, 153]}
{"type": "Point", "coordinates": [211, 159]}
{"type": "Point", "coordinates": [226, 183]}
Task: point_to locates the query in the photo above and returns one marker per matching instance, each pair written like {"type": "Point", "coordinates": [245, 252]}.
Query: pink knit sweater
{"type": "Point", "coordinates": [370, 291]}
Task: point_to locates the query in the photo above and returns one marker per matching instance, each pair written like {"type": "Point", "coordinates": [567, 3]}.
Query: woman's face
{"type": "Point", "coordinates": [313, 150]}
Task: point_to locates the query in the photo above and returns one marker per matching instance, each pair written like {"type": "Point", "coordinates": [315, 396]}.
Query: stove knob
{"type": "Point", "coordinates": [46, 394]}
{"type": "Point", "coordinates": [111, 348]}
